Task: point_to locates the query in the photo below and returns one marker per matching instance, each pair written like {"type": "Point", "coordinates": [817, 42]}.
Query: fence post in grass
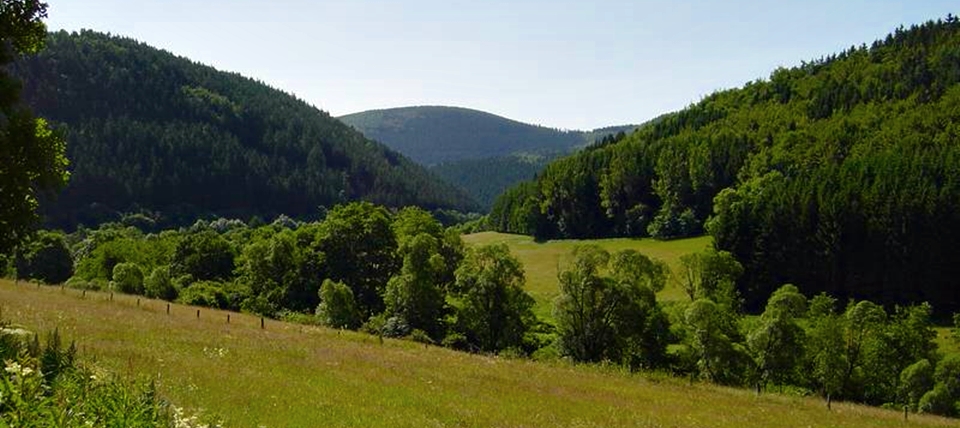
{"type": "Point", "coordinates": [138, 302]}
{"type": "Point", "coordinates": [168, 309]}
{"type": "Point", "coordinates": [261, 323]}
{"type": "Point", "coordinates": [828, 401]}
{"type": "Point", "coordinates": [228, 318]}
{"type": "Point", "coordinates": [83, 294]}
{"type": "Point", "coordinates": [111, 296]}
{"type": "Point", "coordinates": [904, 413]}
{"type": "Point", "coordinates": [198, 314]}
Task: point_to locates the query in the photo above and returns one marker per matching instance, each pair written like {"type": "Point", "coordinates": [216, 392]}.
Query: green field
{"type": "Point", "coordinates": [541, 260]}
{"type": "Point", "coordinates": [290, 375]}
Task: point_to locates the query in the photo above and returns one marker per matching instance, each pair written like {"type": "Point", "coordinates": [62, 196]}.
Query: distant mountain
{"type": "Point", "coordinates": [480, 152]}
{"type": "Point", "coordinates": [434, 134]}
{"type": "Point", "coordinates": [150, 131]}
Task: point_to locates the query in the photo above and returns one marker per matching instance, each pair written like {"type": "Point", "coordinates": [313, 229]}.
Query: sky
{"type": "Point", "coordinates": [557, 63]}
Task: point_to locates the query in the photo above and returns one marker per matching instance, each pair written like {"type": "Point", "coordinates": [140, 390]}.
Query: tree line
{"type": "Point", "coordinates": [839, 175]}
{"type": "Point", "coordinates": [152, 132]}
{"type": "Point", "coordinates": [400, 273]}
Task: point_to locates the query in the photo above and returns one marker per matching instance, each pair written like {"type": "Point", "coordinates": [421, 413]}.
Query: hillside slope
{"type": "Point", "coordinates": [486, 178]}
{"type": "Point", "coordinates": [294, 375]}
{"type": "Point", "coordinates": [434, 134]}
{"type": "Point", "coordinates": [482, 153]}
{"type": "Point", "coordinates": [148, 130]}
{"type": "Point", "coordinates": [840, 175]}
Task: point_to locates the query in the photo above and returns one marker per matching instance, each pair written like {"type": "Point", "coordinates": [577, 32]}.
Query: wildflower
{"type": "Point", "coordinates": [13, 367]}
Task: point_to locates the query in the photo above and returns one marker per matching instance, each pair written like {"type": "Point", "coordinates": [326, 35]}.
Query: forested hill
{"type": "Point", "coordinates": [842, 174]}
{"type": "Point", "coordinates": [435, 134]}
{"type": "Point", "coordinates": [148, 130]}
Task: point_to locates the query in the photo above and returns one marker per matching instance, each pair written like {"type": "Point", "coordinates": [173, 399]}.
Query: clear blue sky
{"type": "Point", "coordinates": [564, 64]}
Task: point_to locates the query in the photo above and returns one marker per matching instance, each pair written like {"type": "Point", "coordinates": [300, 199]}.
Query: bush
{"type": "Point", "coordinates": [938, 401]}
{"type": "Point", "coordinates": [337, 308]}
{"type": "Point", "coordinates": [78, 283]}
{"type": "Point", "coordinates": [45, 258]}
{"type": "Point", "coordinates": [128, 278]}
{"type": "Point", "coordinates": [259, 305]}
{"type": "Point", "coordinates": [299, 318]}
{"type": "Point", "coordinates": [159, 285]}
{"type": "Point", "coordinates": [204, 293]}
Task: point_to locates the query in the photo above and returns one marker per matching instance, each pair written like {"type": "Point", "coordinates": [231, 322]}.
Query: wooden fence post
{"type": "Point", "coordinates": [228, 318]}
{"type": "Point", "coordinates": [168, 309]}
{"type": "Point", "coordinates": [261, 323]}
{"type": "Point", "coordinates": [198, 314]}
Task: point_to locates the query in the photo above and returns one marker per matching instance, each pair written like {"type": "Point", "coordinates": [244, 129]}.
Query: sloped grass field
{"type": "Point", "coordinates": [541, 260]}
{"type": "Point", "coordinates": [288, 375]}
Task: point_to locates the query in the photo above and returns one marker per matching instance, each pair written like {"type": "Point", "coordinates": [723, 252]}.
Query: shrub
{"type": "Point", "coordinates": [45, 258]}
{"type": "Point", "coordinates": [159, 285]}
{"type": "Point", "coordinates": [337, 308]}
{"type": "Point", "coordinates": [204, 293]}
{"type": "Point", "coordinates": [128, 278]}
{"type": "Point", "coordinates": [259, 305]}
{"type": "Point", "coordinates": [938, 401]}
{"type": "Point", "coordinates": [78, 283]}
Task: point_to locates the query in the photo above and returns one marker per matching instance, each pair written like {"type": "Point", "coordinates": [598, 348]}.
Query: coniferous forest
{"type": "Point", "coordinates": [154, 133]}
{"type": "Point", "coordinates": [839, 175]}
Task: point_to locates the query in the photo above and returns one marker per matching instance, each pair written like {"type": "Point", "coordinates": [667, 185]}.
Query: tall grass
{"type": "Point", "coordinates": [288, 375]}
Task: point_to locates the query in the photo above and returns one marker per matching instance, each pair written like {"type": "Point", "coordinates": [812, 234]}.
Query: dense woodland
{"type": "Point", "coordinates": [486, 179]}
{"type": "Point", "coordinates": [479, 152]}
{"type": "Point", "coordinates": [434, 134]}
{"type": "Point", "coordinates": [839, 175]}
{"type": "Point", "coordinates": [154, 133]}
{"type": "Point", "coordinates": [401, 274]}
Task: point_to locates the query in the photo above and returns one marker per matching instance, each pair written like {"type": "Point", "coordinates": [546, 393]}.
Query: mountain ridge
{"type": "Point", "coordinates": [152, 131]}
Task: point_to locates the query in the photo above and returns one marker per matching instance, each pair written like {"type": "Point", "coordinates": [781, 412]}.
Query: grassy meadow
{"type": "Point", "coordinates": [541, 260]}
{"type": "Point", "coordinates": [296, 376]}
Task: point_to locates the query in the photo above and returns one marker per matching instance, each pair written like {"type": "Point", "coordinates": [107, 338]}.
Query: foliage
{"type": "Point", "coordinates": [777, 343]}
{"type": "Point", "coordinates": [159, 285]}
{"type": "Point", "coordinates": [837, 175]}
{"type": "Point", "coordinates": [487, 178]}
{"type": "Point", "coordinates": [128, 278]}
{"type": "Point", "coordinates": [493, 312]}
{"type": "Point", "coordinates": [152, 131]}
{"type": "Point", "coordinates": [614, 318]}
{"type": "Point", "coordinates": [360, 247]}
{"type": "Point", "coordinates": [711, 275]}
{"type": "Point", "coordinates": [210, 294]}
{"type": "Point", "coordinates": [32, 160]}
{"type": "Point", "coordinates": [205, 256]}
{"type": "Point", "coordinates": [45, 257]}
{"type": "Point", "coordinates": [435, 134]}
{"type": "Point", "coordinates": [337, 308]}
{"type": "Point", "coordinates": [44, 386]}
{"type": "Point", "coordinates": [415, 297]}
